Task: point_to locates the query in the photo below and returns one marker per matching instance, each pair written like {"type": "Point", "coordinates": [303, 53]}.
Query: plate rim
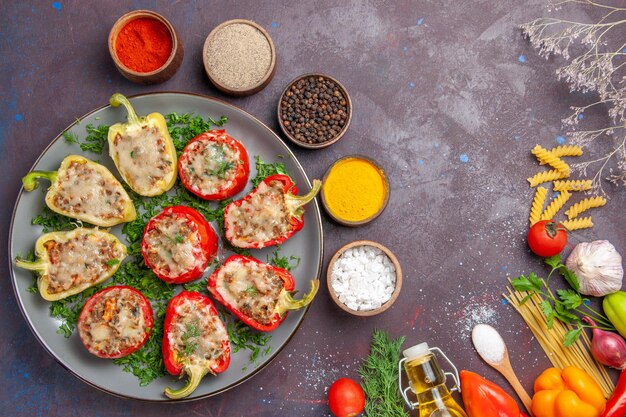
{"type": "Point", "coordinates": [165, 399]}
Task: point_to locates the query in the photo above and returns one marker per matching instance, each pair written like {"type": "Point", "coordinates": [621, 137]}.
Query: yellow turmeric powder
{"type": "Point", "coordinates": [354, 190]}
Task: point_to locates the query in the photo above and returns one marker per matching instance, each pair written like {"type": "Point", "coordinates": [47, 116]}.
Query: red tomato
{"type": "Point", "coordinates": [98, 322]}
{"type": "Point", "coordinates": [547, 238]}
{"type": "Point", "coordinates": [212, 184]}
{"type": "Point", "coordinates": [346, 398]}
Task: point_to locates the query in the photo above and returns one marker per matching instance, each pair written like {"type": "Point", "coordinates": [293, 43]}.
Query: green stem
{"type": "Point", "coordinates": [37, 265]}
{"type": "Point", "coordinates": [30, 180]}
{"type": "Point", "coordinates": [294, 202]}
{"type": "Point", "coordinates": [117, 99]}
{"type": "Point", "coordinates": [196, 373]}
{"type": "Point", "coordinates": [287, 302]}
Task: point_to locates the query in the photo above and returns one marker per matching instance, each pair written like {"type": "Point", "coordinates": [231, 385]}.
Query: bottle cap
{"type": "Point", "coordinates": [416, 351]}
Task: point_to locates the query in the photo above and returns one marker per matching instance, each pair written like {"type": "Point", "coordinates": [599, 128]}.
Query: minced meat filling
{"type": "Point", "coordinates": [210, 166]}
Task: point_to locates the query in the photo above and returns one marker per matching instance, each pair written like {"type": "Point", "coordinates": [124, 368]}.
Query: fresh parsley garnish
{"type": "Point", "coordinates": [112, 262]}
{"type": "Point", "coordinates": [70, 137]}
{"type": "Point", "coordinates": [251, 291]}
{"type": "Point", "coordinates": [283, 262]}
{"type": "Point", "coordinates": [265, 169]}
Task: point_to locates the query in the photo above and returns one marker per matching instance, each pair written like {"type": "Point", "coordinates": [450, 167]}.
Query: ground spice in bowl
{"type": "Point", "coordinates": [355, 190]}
{"type": "Point", "coordinates": [143, 44]}
{"type": "Point", "coordinates": [314, 111]}
{"type": "Point", "coordinates": [239, 57]}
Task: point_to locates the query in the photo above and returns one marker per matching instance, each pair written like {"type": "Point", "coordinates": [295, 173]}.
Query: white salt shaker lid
{"type": "Point", "coordinates": [416, 351]}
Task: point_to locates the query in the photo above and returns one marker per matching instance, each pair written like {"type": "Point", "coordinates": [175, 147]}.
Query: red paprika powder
{"type": "Point", "coordinates": [143, 44]}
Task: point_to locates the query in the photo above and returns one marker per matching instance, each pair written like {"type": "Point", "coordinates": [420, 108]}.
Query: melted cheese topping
{"type": "Point", "coordinates": [141, 157]}
{"type": "Point", "coordinates": [251, 288]}
{"type": "Point", "coordinates": [197, 336]}
{"type": "Point", "coordinates": [82, 259]}
{"type": "Point", "coordinates": [174, 246]}
{"type": "Point", "coordinates": [84, 190]}
{"type": "Point", "coordinates": [210, 166]}
{"type": "Point", "coordinates": [262, 218]}
{"type": "Point", "coordinates": [115, 323]}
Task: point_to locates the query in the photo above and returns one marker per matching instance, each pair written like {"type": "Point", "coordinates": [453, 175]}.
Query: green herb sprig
{"type": "Point", "coordinates": [265, 169]}
{"type": "Point", "coordinates": [379, 376]}
{"type": "Point", "coordinates": [283, 262]}
{"type": "Point", "coordinates": [566, 306]}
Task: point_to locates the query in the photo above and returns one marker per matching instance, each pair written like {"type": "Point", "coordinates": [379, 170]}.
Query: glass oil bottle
{"type": "Point", "coordinates": [428, 383]}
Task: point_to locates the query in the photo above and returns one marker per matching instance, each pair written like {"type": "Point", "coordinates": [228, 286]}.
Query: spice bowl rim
{"type": "Point", "coordinates": [177, 46]}
{"type": "Point", "coordinates": [328, 142]}
{"type": "Point", "coordinates": [263, 82]}
{"type": "Point", "coordinates": [367, 220]}
{"type": "Point", "coordinates": [394, 295]}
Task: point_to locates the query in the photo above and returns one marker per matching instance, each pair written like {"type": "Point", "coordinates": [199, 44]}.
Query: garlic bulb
{"type": "Point", "coordinates": [598, 267]}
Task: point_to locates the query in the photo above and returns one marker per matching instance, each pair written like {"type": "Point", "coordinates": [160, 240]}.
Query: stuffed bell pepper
{"type": "Point", "coordinates": [70, 262]}
{"type": "Point", "coordinates": [269, 215]}
{"type": "Point", "coordinates": [258, 294]}
{"type": "Point", "coordinates": [85, 190]}
{"type": "Point", "coordinates": [214, 166]}
{"type": "Point", "coordinates": [143, 151]}
{"type": "Point", "coordinates": [115, 322]}
{"type": "Point", "coordinates": [195, 341]}
{"type": "Point", "coordinates": [570, 392]}
{"type": "Point", "coordinates": [178, 244]}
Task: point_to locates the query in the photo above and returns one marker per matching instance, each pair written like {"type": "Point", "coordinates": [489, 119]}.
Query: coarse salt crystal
{"type": "Point", "coordinates": [488, 343]}
{"type": "Point", "coordinates": [363, 278]}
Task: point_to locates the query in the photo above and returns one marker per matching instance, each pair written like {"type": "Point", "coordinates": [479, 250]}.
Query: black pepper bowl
{"type": "Point", "coordinates": [329, 116]}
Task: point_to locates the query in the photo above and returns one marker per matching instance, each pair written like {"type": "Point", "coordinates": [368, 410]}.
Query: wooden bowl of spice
{"type": "Point", "coordinates": [364, 278]}
{"type": "Point", "coordinates": [239, 57]}
{"type": "Point", "coordinates": [355, 190]}
{"type": "Point", "coordinates": [314, 111]}
{"type": "Point", "coordinates": [145, 47]}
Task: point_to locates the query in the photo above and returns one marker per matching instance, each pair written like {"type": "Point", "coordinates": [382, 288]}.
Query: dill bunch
{"type": "Point", "coordinates": [379, 376]}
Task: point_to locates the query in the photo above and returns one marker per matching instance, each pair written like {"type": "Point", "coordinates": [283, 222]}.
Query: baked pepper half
{"type": "Point", "coordinates": [269, 215]}
{"type": "Point", "coordinates": [70, 262]}
{"type": "Point", "coordinates": [195, 341]}
{"type": "Point", "coordinates": [483, 398]}
{"type": "Point", "coordinates": [143, 151]}
{"type": "Point", "coordinates": [258, 294]}
{"type": "Point", "coordinates": [570, 392]}
{"type": "Point", "coordinates": [178, 244]}
{"type": "Point", "coordinates": [85, 190]}
{"type": "Point", "coordinates": [115, 322]}
{"type": "Point", "coordinates": [214, 166]}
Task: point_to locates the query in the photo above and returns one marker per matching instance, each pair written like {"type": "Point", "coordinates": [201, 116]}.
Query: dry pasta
{"type": "Point", "coordinates": [572, 185]}
{"type": "Point", "coordinates": [584, 205]}
{"type": "Point", "coordinates": [577, 224]}
{"type": "Point", "coordinates": [537, 207]}
{"type": "Point", "coordinates": [567, 150]}
{"type": "Point", "coordinates": [555, 205]}
{"type": "Point", "coordinates": [551, 340]}
{"type": "Point", "coordinates": [546, 176]}
{"type": "Point", "coordinates": [546, 157]}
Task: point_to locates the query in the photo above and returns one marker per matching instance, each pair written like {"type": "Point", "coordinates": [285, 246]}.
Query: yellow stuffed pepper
{"type": "Point", "coordinates": [570, 392]}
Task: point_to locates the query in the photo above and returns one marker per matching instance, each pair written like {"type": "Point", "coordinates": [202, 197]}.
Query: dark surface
{"type": "Point", "coordinates": [447, 96]}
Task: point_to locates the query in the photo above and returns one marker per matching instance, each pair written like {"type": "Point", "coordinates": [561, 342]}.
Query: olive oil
{"type": "Point", "coordinates": [428, 383]}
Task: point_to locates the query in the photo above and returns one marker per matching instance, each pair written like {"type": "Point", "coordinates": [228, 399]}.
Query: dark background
{"type": "Point", "coordinates": [447, 96]}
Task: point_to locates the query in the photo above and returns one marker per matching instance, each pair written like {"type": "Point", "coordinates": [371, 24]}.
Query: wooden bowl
{"type": "Point", "coordinates": [167, 70]}
{"type": "Point", "coordinates": [231, 90]}
{"type": "Point", "coordinates": [394, 295]}
{"type": "Point", "coordinates": [330, 141]}
{"type": "Point", "coordinates": [368, 219]}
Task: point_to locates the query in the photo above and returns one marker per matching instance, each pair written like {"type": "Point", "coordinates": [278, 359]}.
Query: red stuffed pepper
{"type": "Point", "coordinates": [178, 244]}
{"type": "Point", "coordinates": [195, 341]}
{"type": "Point", "coordinates": [259, 294]}
{"type": "Point", "coordinates": [269, 215]}
{"type": "Point", "coordinates": [115, 322]}
{"type": "Point", "coordinates": [214, 166]}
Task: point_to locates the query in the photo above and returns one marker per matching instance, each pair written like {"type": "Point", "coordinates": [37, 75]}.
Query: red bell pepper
{"type": "Point", "coordinates": [178, 244]}
{"type": "Point", "coordinates": [259, 294]}
{"type": "Point", "coordinates": [195, 341]}
{"type": "Point", "coordinates": [616, 406]}
{"type": "Point", "coordinates": [214, 166]}
{"type": "Point", "coordinates": [115, 322]}
{"type": "Point", "coordinates": [269, 215]}
{"type": "Point", "coordinates": [483, 398]}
